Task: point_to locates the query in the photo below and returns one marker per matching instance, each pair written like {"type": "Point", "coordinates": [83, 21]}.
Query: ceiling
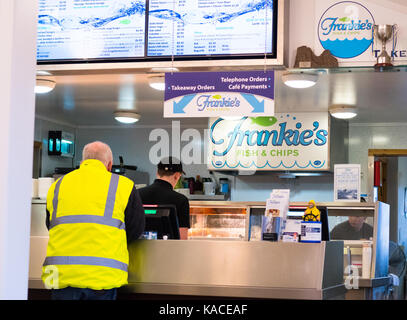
{"type": "Point", "coordinates": [399, 2]}
{"type": "Point", "coordinates": [379, 96]}
{"type": "Point", "coordinates": [90, 99]}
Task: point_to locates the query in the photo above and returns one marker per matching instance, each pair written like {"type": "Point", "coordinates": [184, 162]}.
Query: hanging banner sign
{"type": "Point", "coordinates": [286, 142]}
{"type": "Point", "coordinates": [219, 94]}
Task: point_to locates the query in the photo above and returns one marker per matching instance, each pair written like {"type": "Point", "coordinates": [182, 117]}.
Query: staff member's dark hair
{"type": "Point", "coordinates": [168, 166]}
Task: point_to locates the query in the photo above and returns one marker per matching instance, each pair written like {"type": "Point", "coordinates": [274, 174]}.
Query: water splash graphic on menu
{"type": "Point", "coordinates": [135, 8]}
{"type": "Point", "coordinates": [138, 8]}
{"type": "Point", "coordinates": [221, 17]}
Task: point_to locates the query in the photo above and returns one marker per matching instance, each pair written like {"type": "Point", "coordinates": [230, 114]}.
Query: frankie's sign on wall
{"type": "Point", "coordinates": [298, 141]}
{"type": "Point", "coordinates": [346, 29]}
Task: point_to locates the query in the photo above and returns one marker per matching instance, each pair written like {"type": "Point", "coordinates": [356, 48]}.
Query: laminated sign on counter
{"type": "Point", "coordinates": [311, 231]}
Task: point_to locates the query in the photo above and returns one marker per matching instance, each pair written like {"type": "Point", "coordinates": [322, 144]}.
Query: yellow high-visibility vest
{"type": "Point", "coordinates": [87, 245]}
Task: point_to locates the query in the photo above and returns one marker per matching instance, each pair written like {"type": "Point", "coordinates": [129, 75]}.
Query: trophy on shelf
{"type": "Point", "coordinates": [384, 33]}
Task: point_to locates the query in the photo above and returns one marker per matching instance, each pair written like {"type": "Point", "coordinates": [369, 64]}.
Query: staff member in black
{"type": "Point", "coordinates": [161, 192]}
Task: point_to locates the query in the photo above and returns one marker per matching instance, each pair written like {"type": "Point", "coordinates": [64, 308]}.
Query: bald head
{"type": "Point", "coordinates": [99, 151]}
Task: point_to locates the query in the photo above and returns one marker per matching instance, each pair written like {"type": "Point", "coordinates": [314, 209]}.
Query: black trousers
{"type": "Point", "coordinates": [70, 293]}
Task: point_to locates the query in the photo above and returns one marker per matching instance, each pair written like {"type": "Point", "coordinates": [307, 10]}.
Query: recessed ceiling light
{"type": "Point", "coordinates": [157, 82]}
{"type": "Point", "coordinates": [345, 112]}
{"type": "Point", "coordinates": [299, 80]}
{"type": "Point", "coordinates": [164, 70]}
{"type": "Point", "coordinates": [43, 85]}
{"type": "Point", "coordinates": [126, 117]}
{"type": "Point", "coordinates": [231, 118]}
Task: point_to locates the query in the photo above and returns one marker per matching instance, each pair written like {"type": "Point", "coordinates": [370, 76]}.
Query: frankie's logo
{"type": "Point", "coordinates": [346, 29]}
{"type": "Point", "coordinates": [280, 136]}
{"type": "Point", "coordinates": [208, 101]}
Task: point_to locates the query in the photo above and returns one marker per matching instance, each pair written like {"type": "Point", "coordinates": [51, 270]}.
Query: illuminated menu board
{"type": "Point", "coordinates": [209, 27]}
{"type": "Point", "coordinates": [90, 29]}
{"type": "Point", "coordinates": [86, 30]}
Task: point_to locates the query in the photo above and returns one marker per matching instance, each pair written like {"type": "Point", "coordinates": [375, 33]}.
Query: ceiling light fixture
{"type": "Point", "coordinates": [43, 85]}
{"type": "Point", "coordinates": [164, 70]}
{"type": "Point", "coordinates": [299, 80]}
{"type": "Point", "coordinates": [341, 111]}
{"type": "Point", "coordinates": [127, 117]}
{"type": "Point", "coordinates": [157, 82]}
{"type": "Point", "coordinates": [231, 118]}
{"type": "Point", "coordinates": [294, 174]}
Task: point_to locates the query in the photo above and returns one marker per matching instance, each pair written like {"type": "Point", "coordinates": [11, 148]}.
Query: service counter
{"type": "Point", "coordinates": [227, 269]}
{"type": "Point", "coordinates": [237, 269]}
{"type": "Point", "coordinates": [242, 221]}
{"type": "Point", "coordinates": [230, 261]}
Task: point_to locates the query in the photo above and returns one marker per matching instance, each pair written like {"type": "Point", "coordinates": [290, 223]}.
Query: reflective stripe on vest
{"type": "Point", "coordinates": [106, 219]}
{"type": "Point", "coordinates": [89, 261]}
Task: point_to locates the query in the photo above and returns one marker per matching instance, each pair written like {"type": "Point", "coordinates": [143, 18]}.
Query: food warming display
{"type": "Point", "coordinates": [217, 223]}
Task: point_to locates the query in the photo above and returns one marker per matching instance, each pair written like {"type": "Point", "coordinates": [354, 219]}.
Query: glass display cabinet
{"type": "Point", "coordinates": [218, 221]}
{"type": "Point", "coordinates": [242, 221]}
{"type": "Point", "coordinates": [366, 275]}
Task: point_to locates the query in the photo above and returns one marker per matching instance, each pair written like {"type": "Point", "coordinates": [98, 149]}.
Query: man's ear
{"type": "Point", "coordinates": [177, 176]}
{"type": "Point", "coordinates": [109, 166]}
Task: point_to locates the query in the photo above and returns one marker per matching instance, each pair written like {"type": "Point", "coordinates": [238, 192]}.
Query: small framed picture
{"type": "Point", "coordinates": [347, 182]}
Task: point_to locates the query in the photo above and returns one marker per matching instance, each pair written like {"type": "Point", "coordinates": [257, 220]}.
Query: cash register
{"type": "Point", "coordinates": [161, 222]}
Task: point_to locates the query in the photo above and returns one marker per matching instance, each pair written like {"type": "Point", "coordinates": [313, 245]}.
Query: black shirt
{"type": "Point", "coordinates": [134, 218]}
{"type": "Point", "coordinates": [161, 192]}
{"type": "Point", "coordinates": [344, 231]}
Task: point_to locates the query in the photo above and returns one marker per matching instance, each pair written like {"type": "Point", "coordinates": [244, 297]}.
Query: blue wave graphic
{"type": "Point", "coordinates": [346, 49]}
{"type": "Point", "coordinates": [138, 7]}
{"type": "Point", "coordinates": [249, 8]}
{"type": "Point", "coordinates": [267, 164]}
{"type": "Point", "coordinates": [167, 14]}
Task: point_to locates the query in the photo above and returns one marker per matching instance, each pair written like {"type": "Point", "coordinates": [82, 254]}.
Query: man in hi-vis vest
{"type": "Point", "coordinates": [92, 215]}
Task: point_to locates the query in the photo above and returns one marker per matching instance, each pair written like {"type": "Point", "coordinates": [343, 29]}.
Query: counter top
{"type": "Point", "coordinates": [215, 203]}
{"type": "Point", "coordinates": [375, 282]}
{"type": "Point", "coordinates": [359, 205]}
{"type": "Point", "coordinates": [257, 269]}
{"type": "Point", "coordinates": [38, 201]}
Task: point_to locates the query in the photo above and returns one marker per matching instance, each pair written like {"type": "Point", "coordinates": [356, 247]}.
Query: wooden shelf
{"type": "Point", "coordinates": [217, 197]}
